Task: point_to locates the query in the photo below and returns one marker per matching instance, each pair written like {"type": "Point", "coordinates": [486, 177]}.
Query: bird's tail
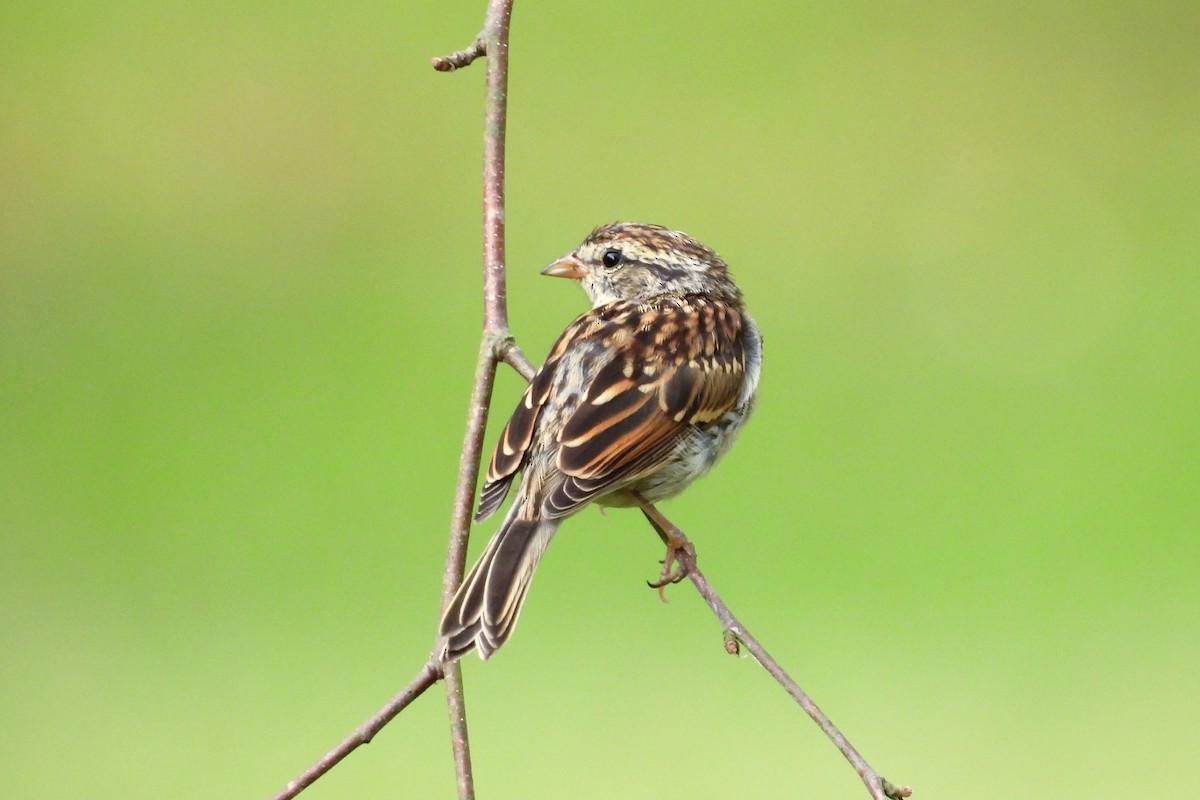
{"type": "Point", "coordinates": [486, 606]}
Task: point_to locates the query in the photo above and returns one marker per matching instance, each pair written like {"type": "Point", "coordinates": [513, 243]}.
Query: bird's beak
{"type": "Point", "coordinates": [566, 267]}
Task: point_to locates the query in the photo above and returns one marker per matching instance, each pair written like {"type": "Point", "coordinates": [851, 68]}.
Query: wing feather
{"type": "Point", "coordinates": [665, 367]}
{"type": "Point", "coordinates": [636, 409]}
{"type": "Point", "coordinates": [512, 450]}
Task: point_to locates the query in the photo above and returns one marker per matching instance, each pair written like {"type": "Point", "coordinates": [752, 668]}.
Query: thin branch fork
{"type": "Point", "coordinates": [498, 345]}
{"type": "Point", "coordinates": [495, 27]}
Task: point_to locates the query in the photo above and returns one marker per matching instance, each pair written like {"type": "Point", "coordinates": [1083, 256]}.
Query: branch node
{"type": "Point", "coordinates": [460, 58]}
{"type": "Point", "coordinates": [501, 341]}
{"type": "Point", "coordinates": [506, 350]}
{"type": "Point", "coordinates": [893, 791]}
{"type": "Point", "coordinates": [732, 645]}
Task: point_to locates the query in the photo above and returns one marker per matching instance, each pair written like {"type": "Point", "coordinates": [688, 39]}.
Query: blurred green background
{"type": "Point", "coordinates": [239, 311]}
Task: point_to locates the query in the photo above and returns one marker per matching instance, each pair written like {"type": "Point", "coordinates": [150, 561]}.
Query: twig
{"type": "Point", "coordinates": [461, 58]}
{"type": "Point", "coordinates": [508, 352]}
{"type": "Point", "coordinates": [735, 633]}
{"type": "Point", "coordinates": [428, 676]}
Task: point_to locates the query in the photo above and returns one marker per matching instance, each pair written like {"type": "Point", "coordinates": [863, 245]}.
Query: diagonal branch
{"type": "Point", "coordinates": [735, 635]}
{"type": "Point", "coordinates": [428, 676]}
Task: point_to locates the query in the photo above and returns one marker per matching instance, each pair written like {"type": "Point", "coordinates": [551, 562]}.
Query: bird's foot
{"type": "Point", "coordinates": [674, 568]}
{"type": "Point", "coordinates": [676, 543]}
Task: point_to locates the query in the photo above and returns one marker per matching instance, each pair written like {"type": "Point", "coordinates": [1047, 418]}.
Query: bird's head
{"type": "Point", "coordinates": [633, 261]}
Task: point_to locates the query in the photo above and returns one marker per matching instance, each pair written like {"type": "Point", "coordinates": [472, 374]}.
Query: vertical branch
{"type": "Point", "coordinates": [496, 346]}
{"type": "Point", "coordinates": [456, 553]}
{"type": "Point", "coordinates": [492, 42]}
{"type": "Point", "coordinates": [495, 289]}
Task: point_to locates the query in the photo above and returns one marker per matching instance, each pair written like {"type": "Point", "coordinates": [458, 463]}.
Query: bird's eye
{"type": "Point", "coordinates": [611, 258]}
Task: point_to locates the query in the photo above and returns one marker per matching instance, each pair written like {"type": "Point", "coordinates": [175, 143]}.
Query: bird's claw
{"type": "Point", "coordinates": [674, 569]}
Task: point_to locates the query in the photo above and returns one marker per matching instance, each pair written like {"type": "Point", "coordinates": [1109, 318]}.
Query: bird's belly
{"type": "Point", "coordinates": [693, 456]}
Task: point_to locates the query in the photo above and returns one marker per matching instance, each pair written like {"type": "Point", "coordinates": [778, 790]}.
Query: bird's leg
{"type": "Point", "coordinates": [674, 568]}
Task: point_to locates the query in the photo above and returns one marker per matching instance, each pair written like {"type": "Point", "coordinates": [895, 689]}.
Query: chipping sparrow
{"type": "Point", "coordinates": [639, 396]}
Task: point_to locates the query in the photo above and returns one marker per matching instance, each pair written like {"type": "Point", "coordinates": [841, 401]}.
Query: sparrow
{"type": "Point", "coordinates": [639, 396]}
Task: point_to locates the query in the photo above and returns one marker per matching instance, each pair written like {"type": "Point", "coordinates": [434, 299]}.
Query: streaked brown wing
{"type": "Point", "coordinates": [512, 450]}
{"type": "Point", "coordinates": [684, 366]}
{"type": "Point", "coordinates": [513, 446]}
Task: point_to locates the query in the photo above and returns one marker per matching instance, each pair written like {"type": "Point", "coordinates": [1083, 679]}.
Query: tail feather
{"type": "Point", "coordinates": [487, 604]}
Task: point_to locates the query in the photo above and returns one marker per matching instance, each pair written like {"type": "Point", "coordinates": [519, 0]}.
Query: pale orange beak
{"type": "Point", "coordinates": [566, 267]}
